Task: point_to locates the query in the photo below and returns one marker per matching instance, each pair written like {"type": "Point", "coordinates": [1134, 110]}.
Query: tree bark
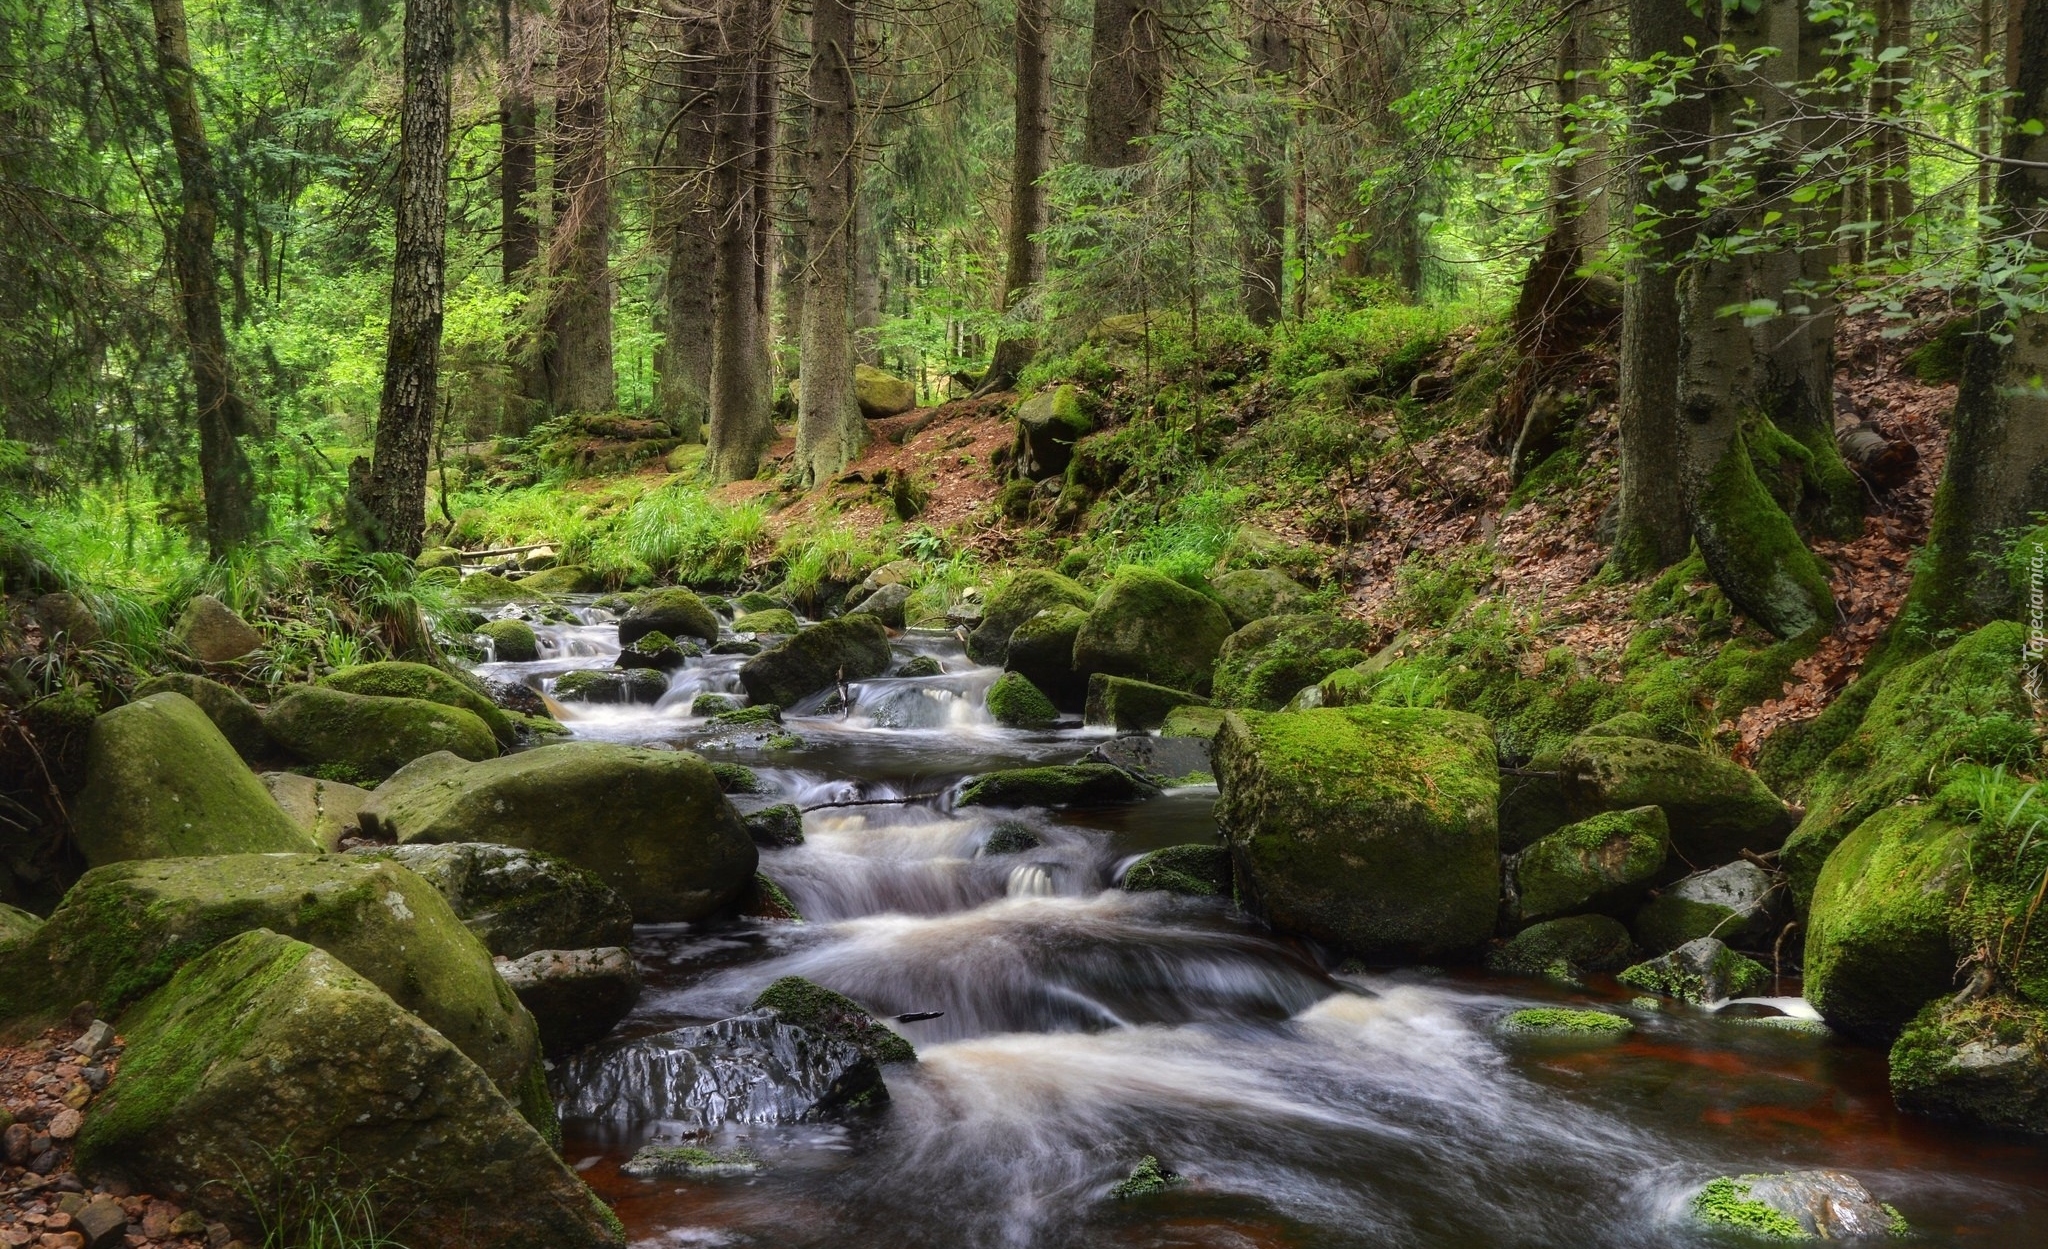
{"type": "Point", "coordinates": [395, 493]}
{"type": "Point", "coordinates": [684, 226]}
{"type": "Point", "coordinates": [225, 479]}
{"type": "Point", "coordinates": [867, 281]}
{"type": "Point", "coordinates": [829, 429]}
{"type": "Point", "coordinates": [1126, 82]}
{"type": "Point", "coordinates": [741, 423]}
{"type": "Point", "coordinates": [1891, 178]}
{"type": "Point", "coordinates": [1266, 177]}
{"type": "Point", "coordinates": [1030, 156]}
{"type": "Point", "coordinates": [518, 183]}
{"type": "Point", "coordinates": [579, 309]}
{"type": "Point", "coordinates": [1652, 530]}
{"type": "Point", "coordinates": [767, 142]}
{"type": "Point", "coordinates": [1995, 480]}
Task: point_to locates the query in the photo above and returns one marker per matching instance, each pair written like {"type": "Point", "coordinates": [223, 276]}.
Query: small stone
{"type": "Point", "coordinates": [95, 1039]}
{"type": "Point", "coordinates": [14, 1236]}
{"type": "Point", "coordinates": [78, 1095]}
{"type": "Point", "coordinates": [66, 1124]}
{"type": "Point", "coordinates": [190, 1223]}
{"type": "Point", "coordinates": [58, 1222]}
{"type": "Point", "coordinates": [71, 1203]}
{"type": "Point", "coordinates": [63, 1240]}
{"type": "Point", "coordinates": [45, 1162]}
{"type": "Point", "coordinates": [103, 1221]}
{"type": "Point", "coordinates": [218, 1236]}
{"type": "Point", "coordinates": [94, 1077]}
{"type": "Point", "coordinates": [157, 1218]}
{"type": "Point", "coordinates": [16, 1141]}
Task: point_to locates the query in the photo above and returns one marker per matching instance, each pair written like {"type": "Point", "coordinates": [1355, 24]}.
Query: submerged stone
{"type": "Point", "coordinates": [1557, 1022]}
{"type": "Point", "coordinates": [1146, 1179]}
{"type": "Point", "coordinates": [777, 620]}
{"type": "Point", "coordinates": [1195, 870]}
{"type": "Point", "coordinates": [662, 1162]}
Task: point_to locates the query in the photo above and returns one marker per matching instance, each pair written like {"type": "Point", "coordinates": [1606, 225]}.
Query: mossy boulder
{"type": "Point", "coordinates": [1250, 594]}
{"type": "Point", "coordinates": [268, 1065]}
{"type": "Point", "coordinates": [488, 589]}
{"type": "Point", "coordinates": [814, 1008]}
{"type": "Point", "coordinates": [161, 782]}
{"type": "Point", "coordinates": [652, 824]}
{"type": "Point", "coordinates": [64, 615]}
{"type": "Point", "coordinates": [17, 925]}
{"type": "Point", "coordinates": [393, 679]}
{"type": "Point", "coordinates": [1627, 724]}
{"type": "Point", "coordinates": [1701, 972]}
{"type": "Point", "coordinates": [768, 620]}
{"type": "Point", "coordinates": [775, 827]}
{"type": "Point", "coordinates": [1016, 601]}
{"type": "Point", "coordinates": [1599, 864]}
{"type": "Point", "coordinates": [1196, 870]}
{"type": "Point", "coordinates": [1716, 808]}
{"type": "Point", "coordinates": [886, 605]}
{"type": "Point", "coordinates": [920, 666]}
{"type": "Point", "coordinates": [1191, 720]}
{"type": "Point", "coordinates": [617, 686]}
{"type": "Point", "coordinates": [124, 929]}
{"type": "Point", "coordinates": [1739, 903]}
{"type": "Point", "coordinates": [211, 632]}
{"type": "Point", "coordinates": [1532, 803]}
{"type": "Point", "coordinates": [1048, 425]}
{"type": "Point", "coordinates": [512, 641]}
{"type": "Point", "coordinates": [1072, 784]}
{"type": "Point", "coordinates": [1982, 1064]}
{"type": "Point", "coordinates": [325, 809]}
{"type": "Point", "coordinates": [1368, 828]}
{"type": "Point", "coordinates": [373, 736]}
{"type": "Point", "coordinates": [1130, 706]}
{"type": "Point", "coordinates": [1878, 942]}
{"type": "Point", "coordinates": [881, 394]}
{"type": "Point", "coordinates": [755, 600]}
{"type": "Point", "coordinates": [1564, 949]}
{"type": "Point", "coordinates": [515, 900]}
{"type": "Point", "coordinates": [655, 652]}
{"type": "Point", "coordinates": [1041, 649]}
{"type": "Point", "coordinates": [1266, 663]}
{"type": "Point", "coordinates": [1557, 1023]}
{"type": "Point", "coordinates": [1015, 702]}
{"type": "Point", "coordinates": [851, 648]}
{"type": "Point", "coordinates": [675, 611]}
{"type": "Point", "coordinates": [232, 714]}
{"type": "Point", "coordinates": [437, 557]}
{"type": "Point", "coordinates": [564, 579]}
{"type": "Point", "coordinates": [1149, 627]}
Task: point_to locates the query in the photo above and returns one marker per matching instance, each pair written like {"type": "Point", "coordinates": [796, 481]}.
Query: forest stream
{"type": "Point", "coordinates": [1075, 1028]}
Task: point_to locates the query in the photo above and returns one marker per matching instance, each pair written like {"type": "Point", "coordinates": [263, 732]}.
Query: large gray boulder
{"type": "Point", "coordinates": [575, 996]}
{"type": "Point", "coordinates": [1981, 1063]}
{"type": "Point", "coordinates": [516, 901]}
{"type": "Point", "coordinates": [1738, 902]}
{"type": "Point", "coordinates": [212, 633]}
{"type": "Point", "coordinates": [232, 714]}
{"type": "Point", "coordinates": [851, 648]}
{"type": "Point", "coordinates": [372, 736]}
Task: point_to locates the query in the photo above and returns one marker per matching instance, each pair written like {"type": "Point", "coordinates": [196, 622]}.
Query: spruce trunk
{"type": "Point", "coordinates": [829, 429]}
{"type": "Point", "coordinates": [1024, 255]}
{"type": "Point", "coordinates": [741, 424]}
{"type": "Point", "coordinates": [579, 316]}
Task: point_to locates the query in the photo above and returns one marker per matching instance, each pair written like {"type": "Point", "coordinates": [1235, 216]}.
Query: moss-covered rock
{"type": "Point", "coordinates": [920, 666]}
{"type": "Point", "coordinates": [271, 1062]}
{"type": "Point", "coordinates": [630, 686]}
{"type": "Point", "coordinates": [1072, 784]}
{"type": "Point", "coordinates": [1564, 949]}
{"type": "Point", "coordinates": [161, 782]}
{"type": "Point", "coordinates": [1739, 903]}
{"type": "Point", "coordinates": [1196, 870]}
{"type": "Point", "coordinates": [814, 1008]}
{"type": "Point", "coordinates": [1042, 650]}
{"type": "Point", "coordinates": [851, 648]}
{"type": "Point", "coordinates": [1599, 864]}
{"type": "Point", "coordinates": [437, 557]}
{"type": "Point", "coordinates": [17, 925]}
{"type": "Point", "coordinates": [1191, 720]}
{"type": "Point", "coordinates": [488, 589]}
{"type": "Point", "coordinates": [1877, 935]}
{"type": "Point", "coordinates": [392, 679]}
{"type": "Point", "coordinates": [652, 824]}
{"type": "Point", "coordinates": [325, 809]}
{"type": "Point", "coordinates": [1149, 627]}
{"type": "Point", "coordinates": [564, 579]}
{"type": "Point", "coordinates": [1982, 1063]}
{"type": "Point", "coordinates": [1702, 972]}
{"type": "Point", "coordinates": [1369, 828]}
{"type": "Point", "coordinates": [1250, 594]}
{"type": "Point", "coordinates": [655, 652]}
{"type": "Point", "coordinates": [1796, 1205]}
{"type": "Point", "coordinates": [517, 901]}
{"type": "Point", "coordinates": [886, 604]}
{"type": "Point", "coordinates": [1627, 724]}
{"type": "Point", "coordinates": [1131, 706]}
{"type": "Point", "coordinates": [674, 611]}
{"type": "Point", "coordinates": [373, 736]}
{"type": "Point", "coordinates": [1016, 601]}
{"type": "Point", "coordinates": [769, 620]}
{"type": "Point", "coordinates": [1014, 701]}
{"type": "Point", "coordinates": [1147, 1179]}
{"type": "Point", "coordinates": [1532, 803]}
{"type": "Point", "coordinates": [1716, 808]}
{"type": "Point", "coordinates": [775, 827]}
{"type": "Point", "coordinates": [1266, 663]}
{"type": "Point", "coordinates": [881, 394]}
{"type": "Point", "coordinates": [231, 713]}
{"type": "Point", "coordinates": [124, 929]}
{"type": "Point", "coordinates": [1557, 1023]}
{"type": "Point", "coordinates": [211, 632]}
{"type": "Point", "coordinates": [1048, 425]}
{"type": "Point", "coordinates": [512, 641]}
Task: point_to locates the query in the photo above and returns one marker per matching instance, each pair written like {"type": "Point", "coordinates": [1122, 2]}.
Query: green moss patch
{"type": "Point", "coordinates": [1549, 1021]}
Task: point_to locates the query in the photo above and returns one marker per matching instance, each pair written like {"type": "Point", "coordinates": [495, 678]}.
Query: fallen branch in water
{"type": "Point", "coordinates": [874, 802]}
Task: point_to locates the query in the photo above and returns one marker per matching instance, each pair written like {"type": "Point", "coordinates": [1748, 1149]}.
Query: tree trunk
{"type": "Point", "coordinates": [1995, 480]}
{"type": "Point", "coordinates": [1126, 81]}
{"type": "Point", "coordinates": [683, 223]}
{"type": "Point", "coordinates": [741, 423]}
{"type": "Point", "coordinates": [579, 311]}
{"type": "Point", "coordinates": [224, 475]}
{"type": "Point", "coordinates": [518, 183]}
{"type": "Point", "coordinates": [1265, 175]}
{"type": "Point", "coordinates": [1652, 531]}
{"type": "Point", "coordinates": [767, 141]}
{"type": "Point", "coordinates": [829, 429]}
{"type": "Point", "coordinates": [867, 281]}
{"type": "Point", "coordinates": [1749, 544]}
{"type": "Point", "coordinates": [1891, 180]}
{"type": "Point", "coordinates": [1030, 156]}
{"type": "Point", "coordinates": [394, 495]}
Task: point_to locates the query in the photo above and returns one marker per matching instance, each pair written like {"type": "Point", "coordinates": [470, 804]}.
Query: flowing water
{"type": "Point", "coordinates": [1079, 1028]}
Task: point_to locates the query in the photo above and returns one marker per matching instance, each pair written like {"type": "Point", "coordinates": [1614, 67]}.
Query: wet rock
{"type": "Point", "coordinates": [1193, 720]}
{"type": "Point", "coordinates": [517, 696]}
{"type": "Point", "coordinates": [676, 612]}
{"type": "Point", "coordinates": [655, 652]}
{"type": "Point", "coordinates": [1016, 601]}
{"type": "Point", "coordinates": [775, 620]}
{"type": "Point", "coordinates": [1532, 803]}
{"type": "Point", "coordinates": [903, 572]}
{"type": "Point", "coordinates": [211, 633]}
{"type": "Point", "coordinates": [1737, 903]}
{"type": "Point", "coordinates": [630, 686]}
{"type": "Point", "coordinates": [1146, 1179]}
{"type": "Point", "coordinates": [1982, 1063]}
{"type": "Point", "coordinates": [1014, 701]}
{"type": "Point", "coordinates": [713, 704]}
{"type": "Point", "coordinates": [775, 828]}
{"type": "Point", "coordinates": [1158, 760]}
{"type": "Point", "coordinates": [1716, 808]}
{"type": "Point", "coordinates": [438, 557]}
{"type": "Point", "coordinates": [1196, 870]}
{"type": "Point", "coordinates": [1074, 784]}
{"type": "Point", "coordinates": [1264, 664]}
{"type": "Point", "coordinates": [766, 900]}
{"type": "Point", "coordinates": [326, 810]}
{"type": "Point", "coordinates": [1041, 649]}
{"type": "Point", "coordinates": [1564, 949]}
{"type": "Point", "coordinates": [652, 824]}
{"type": "Point", "coordinates": [265, 1049]}
{"type": "Point", "coordinates": [516, 901]}
{"type": "Point", "coordinates": [1597, 864]}
{"type": "Point", "coordinates": [755, 1068]}
{"type": "Point", "coordinates": [1130, 706]}
{"type": "Point", "coordinates": [564, 579]}
{"type": "Point", "coordinates": [880, 394]}
{"type": "Point", "coordinates": [737, 778]}
{"type": "Point", "coordinates": [661, 1162]}
{"type": "Point", "coordinates": [161, 781]}
{"type": "Point", "coordinates": [1012, 837]}
{"type": "Point", "coordinates": [920, 666]}
{"type": "Point", "coordinates": [1250, 594]}
{"type": "Point", "coordinates": [819, 1010]}
{"type": "Point", "coordinates": [512, 641]}
{"type": "Point", "coordinates": [372, 736]}
{"type": "Point", "coordinates": [885, 604]}
{"type": "Point", "coordinates": [1048, 425]}
{"type": "Point", "coordinates": [575, 996]}
{"type": "Point", "coordinates": [851, 648]}
{"type": "Point", "coordinates": [1559, 1024]}
{"type": "Point", "coordinates": [64, 615]}
{"type": "Point", "coordinates": [1149, 627]}
{"type": "Point", "coordinates": [1797, 1205]}
{"type": "Point", "coordinates": [1701, 972]}
{"type": "Point", "coordinates": [124, 929]}
{"type": "Point", "coordinates": [1368, 828]}
{"type": "Point", "coordinates": [232, 714]}
{"type": "Point", "coordinates": [735, 646]}
{"type": "Point", "coordinates": [392, 679]}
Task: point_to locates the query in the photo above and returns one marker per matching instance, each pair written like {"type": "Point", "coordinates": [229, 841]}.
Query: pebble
{"type": "Point", "coordinates": [65, 1124]}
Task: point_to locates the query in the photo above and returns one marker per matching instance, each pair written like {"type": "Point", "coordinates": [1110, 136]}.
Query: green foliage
{"type": "Point", "coordinates": [1727, 1203]}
